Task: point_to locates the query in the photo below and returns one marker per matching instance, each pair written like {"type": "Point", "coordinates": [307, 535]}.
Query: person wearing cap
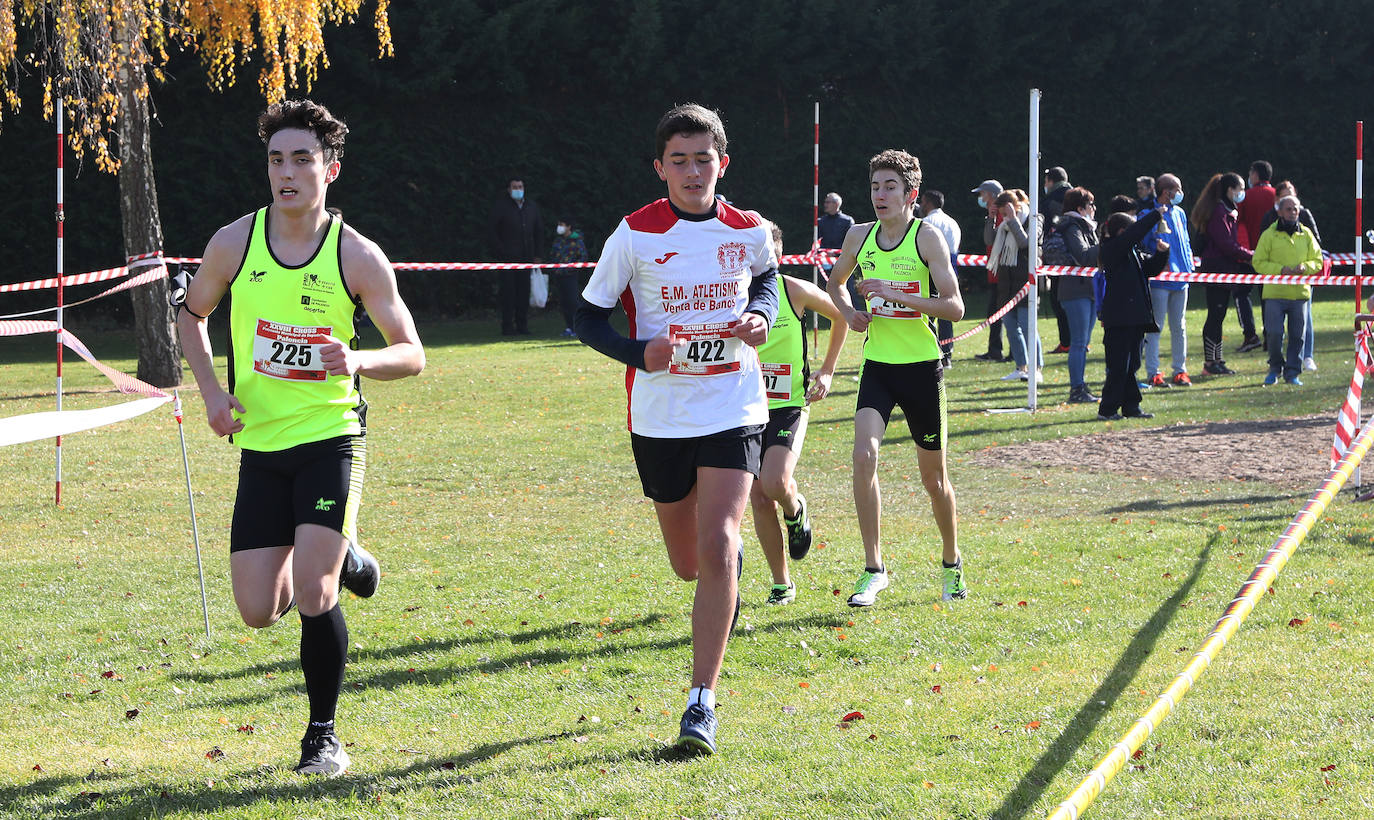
{"type": "Point", "coordinates": [987, 192]}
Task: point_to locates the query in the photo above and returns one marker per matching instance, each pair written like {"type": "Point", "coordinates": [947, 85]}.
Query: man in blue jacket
{"type": "Point", "coordinates": [1170, 298]}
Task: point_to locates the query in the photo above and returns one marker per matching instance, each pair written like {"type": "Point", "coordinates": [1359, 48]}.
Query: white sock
{"type": "Point", "coordinates": [702, 695]}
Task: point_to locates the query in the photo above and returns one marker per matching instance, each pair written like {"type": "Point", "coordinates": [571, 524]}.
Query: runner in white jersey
{"type": "Point", "coordinates": [698, 281]}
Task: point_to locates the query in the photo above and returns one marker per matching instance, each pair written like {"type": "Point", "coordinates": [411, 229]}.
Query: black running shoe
{"type": "Point", "coordinates": [698, 730]}
{"type": "Point", "coordinates": [322, 753]}
{"type": "Point", "coordinates": [360, 573]}
{"type": "Point", "coordinates": [798, 531]}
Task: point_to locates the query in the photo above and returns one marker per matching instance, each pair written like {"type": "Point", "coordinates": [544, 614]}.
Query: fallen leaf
{"type": "Point", "coordinates": [1033, 725]}
{"type": "Point", "coordinates": [804, 685]}
{"type": "Point", "coordinates": [247, 729]}
{"type": "Point", "coordinates": [1295, 622]}
{"type": "Point", "coordinates": [447, 765]}
{"type": "Point", "coordinates": [927, 784]}
{"type": "Point", "coordinates": [1324, 768]}
{"type": "Point", "coordinates": [38, 767]}
{"type": "Point", "coordinates": [872, 737]}
{"type": "Point", "coordinates": [852, 716]}
{"type": "Point", "coordinates": [215, 754]}
{"type": "Point", "coordinates": [130, 714]}
{"type": "Point", "coordinates": [936, 689]}
{"type": "Point", "coordinates": [1139, 753]}
{"type": "Point", "coordinates": [1021, 603]}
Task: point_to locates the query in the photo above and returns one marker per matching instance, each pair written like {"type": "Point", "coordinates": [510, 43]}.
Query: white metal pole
{"type": "Point", "coordinates": [815, 218]}
{"type": "Point", "coordinates": [1359, 254]}
{"type": "Point", "coordinates": [1033, 252]}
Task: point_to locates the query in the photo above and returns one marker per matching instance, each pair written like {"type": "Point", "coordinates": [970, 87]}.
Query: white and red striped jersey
{"type": "Point", "coordinates": [691, 278]}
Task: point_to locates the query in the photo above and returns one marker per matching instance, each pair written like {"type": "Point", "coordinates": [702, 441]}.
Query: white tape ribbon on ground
{"type": "Point", "coordinates": [36, 426]}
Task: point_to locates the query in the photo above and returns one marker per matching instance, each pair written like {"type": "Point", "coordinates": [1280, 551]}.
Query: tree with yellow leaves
{"type": "Point", "coordinates": [98, 57]}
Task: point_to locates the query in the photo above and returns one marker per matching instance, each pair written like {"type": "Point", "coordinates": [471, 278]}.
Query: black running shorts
{"type": "Point", "coordinates": [918, 388]}
{"type": "Point", "coordinates": [316, 483]}
{"type": "Point", "coordinates": [783, 426]}
{"type": "Point", "coordinates": [668, 466]}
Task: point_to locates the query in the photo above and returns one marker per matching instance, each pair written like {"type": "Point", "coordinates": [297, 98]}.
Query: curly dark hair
{"type": "Point", "coordinates": [306, 115]}
{"type": "Point", "coordinates": [900, 162]}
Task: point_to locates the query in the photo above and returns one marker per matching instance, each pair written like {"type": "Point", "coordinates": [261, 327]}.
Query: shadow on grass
{"type": "Point", "coordinates": [565, 631]}
{"type": "Point", "coordinates": [1206, 502]}
{"type": "Point", "coordinates": [1023, 797]}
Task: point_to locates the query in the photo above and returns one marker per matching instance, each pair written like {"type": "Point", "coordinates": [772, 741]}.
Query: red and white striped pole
{"type": "Point", "coordinates": [61, 218]}
{"type": "Point", "coordinates": [816, 216]}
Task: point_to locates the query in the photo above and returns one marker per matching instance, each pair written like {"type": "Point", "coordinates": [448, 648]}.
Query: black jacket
{"type": "Point", "coordinates": [1128, 272]}
{"type": "Point", "coordinates": [516, 232]}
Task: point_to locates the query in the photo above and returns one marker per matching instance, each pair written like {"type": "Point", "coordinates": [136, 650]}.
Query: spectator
{"type": "Point", "coordinates": [516, 233]}
{"type": "Point", "coordinates": [1009, 255]}
{"type": "Point", "coordinates": [1119, 204]}
{"type": "Point", "coordinates": [987, 193]}
{"type": "Point", "coordinates": [1286, 248]}
{"type": "Point", "coordinates": [932, 205]}
{"type": "Point", "coordinates": [1056, 186]}
{"type": "Point", "coordinates": [1144, 193]}
{"type": "Point", "coordinates": [1170, 298]}
{"type": "Point", "coordinates": [833, 223]}
{"type": "Point", "coordinates": [831, 228]}
{"type": "Point", "coordinates": [1127, 308]}
{"type": "Point", "coordinates": [1283, 189]}
{"type": "Point", "coordinates": [1078, 229]}
{"type": "Point", "coordinates": [568, 246]}
{"type": "Point", "coordinates": [1259, 200]}
{"type": "Point", "coordinates": [1218, 229]}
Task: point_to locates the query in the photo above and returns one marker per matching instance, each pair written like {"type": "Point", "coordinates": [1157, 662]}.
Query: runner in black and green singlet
{"type": "Point", "coordinates": [790, 388]}
{"type": "Point", "coordinates": [909, 283]}
{"type": "Point", "coordinates": [297, 276]}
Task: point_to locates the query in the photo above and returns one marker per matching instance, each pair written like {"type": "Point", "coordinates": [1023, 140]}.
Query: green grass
{"type": "Point", "coordinates": [528, 650]}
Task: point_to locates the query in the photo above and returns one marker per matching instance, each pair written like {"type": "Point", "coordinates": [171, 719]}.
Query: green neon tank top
{"type": "Point", "coordinates": [898, 334]}
{"type": "Point", "coordinates": [783, 357]}
{"type": "Point", "coordinates": [278, 317]}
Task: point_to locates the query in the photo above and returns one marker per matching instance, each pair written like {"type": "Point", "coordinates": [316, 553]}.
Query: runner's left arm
{"type": "Point", "coordinates": [369, 274]}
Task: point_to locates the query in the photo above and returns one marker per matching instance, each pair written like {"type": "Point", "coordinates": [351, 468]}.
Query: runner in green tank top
{"type": "Point", "coordinates": [908, 282]}
{"type": "Point", "coordinates": [790, 391]}
{"type": "Point", "coordinates": [293, 405]}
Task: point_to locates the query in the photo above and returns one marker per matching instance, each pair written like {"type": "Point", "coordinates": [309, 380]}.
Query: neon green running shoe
{"type": "Point", "coordinates": [955, 589]}
{"type": "Point", "coordinates": [782, 594]}
{"type": "Point", "coordinates": [867, 588]}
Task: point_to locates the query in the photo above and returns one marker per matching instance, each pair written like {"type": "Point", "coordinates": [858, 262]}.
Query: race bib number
{"type": "Point", "coordinates": [710, 349]}
{"type": "Point", "coordinates": [777, 380]}
{"type": "Point", "coordinates": [894, 310]}
{"type": "Point", "coordinates": [289, 352]}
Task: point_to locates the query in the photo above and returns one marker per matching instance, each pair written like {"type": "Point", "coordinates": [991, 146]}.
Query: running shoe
{"type": "Point", "coordinates": [322, 753]}
{"type": "Point", "coordinates": [1062, 348]}
{"type": "Point", "coordinates": [989, 356]}
{"type": "Point", "coordinates": [1309, 364]}
{"type": "Point", "coordinates": [867, 588]}
{"type": "Point", "coordinates": [1181, 380]}
{"type": "Point", "coordinates": [1014, 375]}
{"type": "Point", "coordinates": [1109, 417]}
{"type": "Point", "coordinates": [698, 730]}
{"type": "Point", "coordinates": [360, 572]}
{"type": "Point", "coordinates": [1271, 379]}
{"type": "Point", "coordinates": [782, 594]}
{"type": "Point", "coordinates": [1139, 414]}
{"type": "Point", "coordinates": [954, 587]}
{"type": "Point", "coordinates": [1294, 380]}
{"type": "Point", "coordinates": [1250, 343]}
{"type": "Point", "coordinates": [1157, 380]}
{"type": "Point", "coordinates": [1217, 368]}
{"type": "Point", "coordinates": [798, 531]}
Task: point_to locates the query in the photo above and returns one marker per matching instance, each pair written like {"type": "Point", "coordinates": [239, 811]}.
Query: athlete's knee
{"type": "Point", "coordinates": [258, 617]}
{"type": "Point", "coordinates": [317, 596]}
{"type": "Point", "coordinates": [759, 498]}
{"type": "Point", "coordinates": [776, 487]}
{"type": "Point", "coordinates": [865, 457]}
{"type": "Point", "coordinates": [717, 557]}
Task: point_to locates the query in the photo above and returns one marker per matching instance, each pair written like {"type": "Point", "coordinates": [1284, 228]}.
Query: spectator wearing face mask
{"type": "Point", "coordinates": [515, 234]}
{"type": "Point", "coordinates": [1218, 229]}
{"type": "Point", "coordinates": [568, 246]}
{"type": "Point", "coordinates": [1259, 201]}
{"type": "Point", "coordinates": [1170, 298]}
{"type": "Point", "coordinates": [1309, 340]}
{"type": "Point", "coordinates": [987, 200]}
{"type": "Point", "coordinates": [1286, 248]}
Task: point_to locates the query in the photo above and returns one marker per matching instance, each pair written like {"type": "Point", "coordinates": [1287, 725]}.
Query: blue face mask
{"type": "Point", "coordinates": [982, 203]}
{"type": "Point", "coordinates": [1239, 197]}
{"type": "Point", "coordinates": [1178, 197]}
{"type": "Point", "coordinates": [518, 194]}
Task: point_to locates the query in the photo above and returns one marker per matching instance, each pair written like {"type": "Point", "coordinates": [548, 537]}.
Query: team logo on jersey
{"type": "Point", "coordinates": [256, 276]}
{"type": "Point", "coordinates": [313, 283]}
{"type": "Point", "coordinates": [731, 256]}
{"type": "Point", "coordinates": [868, 264]}
{"type": "Point", "coordinates": [664, 259]}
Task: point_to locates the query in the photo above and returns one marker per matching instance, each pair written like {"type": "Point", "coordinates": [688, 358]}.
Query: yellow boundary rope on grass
{"type": "Point", "coordinates": [1250, 592]}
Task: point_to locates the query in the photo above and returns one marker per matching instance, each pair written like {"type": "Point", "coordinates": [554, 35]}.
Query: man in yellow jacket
{"type": "Point", "coordinates": [1286, 248]}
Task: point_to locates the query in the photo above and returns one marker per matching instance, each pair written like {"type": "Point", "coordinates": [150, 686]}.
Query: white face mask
{"type": "Point", "coordinates": [1239, 197]}
{"type": "Point", "coordinates": [562, 229]}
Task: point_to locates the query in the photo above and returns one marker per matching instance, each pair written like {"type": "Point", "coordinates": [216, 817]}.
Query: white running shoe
{"type": "Point", "coordinates": [867, 588]}
{"type": "Point", "coordinates": [1014, 375]}
{"type": "Point", "coordinates": [1309, 364]}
